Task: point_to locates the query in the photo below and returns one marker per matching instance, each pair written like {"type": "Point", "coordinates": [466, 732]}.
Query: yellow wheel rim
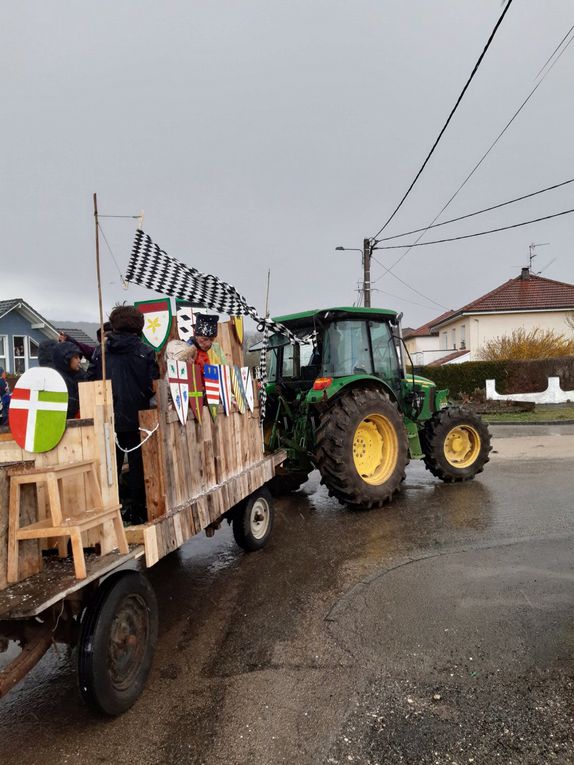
{"type": "Point", "coordinates": [462, 446]}
{"type": "Point", "coordinates": [375, 449]}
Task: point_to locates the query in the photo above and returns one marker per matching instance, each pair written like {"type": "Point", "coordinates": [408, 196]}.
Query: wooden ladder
{"type": "Point", "coordinates": [56, 525]}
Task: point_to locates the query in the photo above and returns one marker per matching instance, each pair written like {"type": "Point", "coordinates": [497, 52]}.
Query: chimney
{"type": "Point", "coordinates": [525, 273]}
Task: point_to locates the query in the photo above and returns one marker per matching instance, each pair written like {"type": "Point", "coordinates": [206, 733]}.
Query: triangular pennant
{"type": "Point", "coordinates": [211, 382]}
{"type": "Point", "coordinates": [237, 322]}
{"type": "Point", "coordinates": [177, 378]}
{"type": "Point", "coordinates": [157, 324]}
{"type": "Point", "coordinates": [248, 387]}
{"type": "Point", "coordinates": [225, 387]}
{"type": "Point", "coordinates": [237, 385]}
{"type": "Point", "coordinates": [196, 390]}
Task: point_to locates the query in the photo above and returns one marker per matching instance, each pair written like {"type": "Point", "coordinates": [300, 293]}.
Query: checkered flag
{"type": "Point", "coordinates": [152, 267]}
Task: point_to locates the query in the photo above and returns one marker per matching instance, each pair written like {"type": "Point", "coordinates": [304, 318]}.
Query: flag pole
{"type": "Point", "coordinates": [108, 451]}
{"type": "Point", "coordinates": [100, 303]}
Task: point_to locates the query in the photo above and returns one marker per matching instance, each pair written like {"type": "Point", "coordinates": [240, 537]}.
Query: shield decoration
{"type": "Point", "coordinates": [237, 386]}
{"type": "Point", "coordinates": [211, 383]}
{"type": "Point", "coordinates": [237, 322]}
{"type": "Point", "coordinates": [225, 387]}
{"type": "Point", "coordinates": [38, 409]}
{"type": "Point", "coordinates": [178, 387]}
{"type": "Point", "coordinates": [185, 320]}
{"type": "Point", "coordinates": [248, 387]}
{"type": "Point", "coordinates": [157, 325]}
{"type": "Point", "coordinates": [196, 390]}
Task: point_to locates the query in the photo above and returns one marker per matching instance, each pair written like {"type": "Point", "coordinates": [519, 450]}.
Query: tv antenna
{"type": "Point", "coordinates": [532, 254]}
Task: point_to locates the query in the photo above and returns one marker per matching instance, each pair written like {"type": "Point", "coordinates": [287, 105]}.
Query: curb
{"type": "Point", "coordinates": [537, 422]}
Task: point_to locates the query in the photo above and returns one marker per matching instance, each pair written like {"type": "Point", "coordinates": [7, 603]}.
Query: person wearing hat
{"type": "Point", "coordinates": [204, 349]}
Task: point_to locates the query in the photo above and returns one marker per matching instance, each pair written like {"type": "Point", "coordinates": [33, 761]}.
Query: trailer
{"type": "Point", "coordinates": [71, 573]}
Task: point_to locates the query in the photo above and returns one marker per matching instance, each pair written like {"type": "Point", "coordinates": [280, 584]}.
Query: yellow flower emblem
{"type": "Point", "coordinates": [153, 324]}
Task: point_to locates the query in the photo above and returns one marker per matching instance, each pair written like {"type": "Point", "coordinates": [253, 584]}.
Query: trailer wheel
{"type": "Point", "coordinates": [253, 521]}
{"type": "Point", "coordinates": [117, 642]}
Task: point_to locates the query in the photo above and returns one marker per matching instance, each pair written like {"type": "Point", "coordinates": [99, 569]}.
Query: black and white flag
{"type": "Point", "coordinates": [152, 267]}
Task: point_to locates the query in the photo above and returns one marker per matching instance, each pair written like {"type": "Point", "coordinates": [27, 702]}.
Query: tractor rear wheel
{"type": "Point", "coordinates": [362, 448]}
{"type": "Point", "coordinates": [455, 444]}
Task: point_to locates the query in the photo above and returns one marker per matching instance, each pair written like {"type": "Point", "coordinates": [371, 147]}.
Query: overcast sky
{"type": "Point", "coordinates": [259, 134]}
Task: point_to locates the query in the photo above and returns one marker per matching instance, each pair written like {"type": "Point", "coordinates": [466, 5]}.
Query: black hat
{"type": "Point", "coordinates": [205, 325]}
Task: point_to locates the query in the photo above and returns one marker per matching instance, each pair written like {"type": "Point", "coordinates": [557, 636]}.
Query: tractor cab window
{"type": "Point", "coordinates": [346, 349]}
{"type": "Point", "coordinates": [297, 359]}
{"type": "Point", "coordinates": [385, 360]}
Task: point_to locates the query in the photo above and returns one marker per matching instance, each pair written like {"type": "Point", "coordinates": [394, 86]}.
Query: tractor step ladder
{"type": "Point", "coordinates": [56, 525]}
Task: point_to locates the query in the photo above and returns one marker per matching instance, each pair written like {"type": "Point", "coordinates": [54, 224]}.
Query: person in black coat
{"type": "Point", "coordinates": [66, 360]}
{"type": "Point", "coordinates": [132, 367]}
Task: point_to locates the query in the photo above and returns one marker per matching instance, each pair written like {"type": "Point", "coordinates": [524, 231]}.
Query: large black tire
{"type": "Point", "coordinates": [286, 482]}
{"type": "Point", "coordinates": [117, 642]}
{"type": "Point", "coordinates": [362, 448]}
{"type": "Point", "coordinates": [455, 444]}
{"type": "Point", "coordinates": [253, 520]}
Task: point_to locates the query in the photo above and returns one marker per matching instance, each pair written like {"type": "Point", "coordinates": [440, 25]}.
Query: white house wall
{"type": "Point", "coordinates": [481, 328]}
{"type": "Point", "coordinates": [424, 350]}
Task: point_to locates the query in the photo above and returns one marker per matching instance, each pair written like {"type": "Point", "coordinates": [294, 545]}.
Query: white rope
{"type": "Point", "coordinates": [139, 446]}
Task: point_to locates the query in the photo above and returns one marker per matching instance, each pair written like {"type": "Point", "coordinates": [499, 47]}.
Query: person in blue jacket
{"type": "Point", "coordinates": [4, 397]}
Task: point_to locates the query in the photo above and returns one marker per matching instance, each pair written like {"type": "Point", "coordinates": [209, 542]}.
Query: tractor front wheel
{"type": "Point", "coordinates": [362, 448]}
{"type": "Point", "coordinates": [456, 444]}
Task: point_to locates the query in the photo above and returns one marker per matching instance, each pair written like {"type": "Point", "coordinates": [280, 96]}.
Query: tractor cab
{"type": "Point", "coordinates": [336, 345]}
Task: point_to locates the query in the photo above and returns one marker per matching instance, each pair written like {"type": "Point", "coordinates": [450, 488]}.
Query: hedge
{"type": "Point", "coordinates": [511, 376]}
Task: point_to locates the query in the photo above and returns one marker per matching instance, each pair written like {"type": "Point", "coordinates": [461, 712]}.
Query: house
{"type": "Point", "coordinates": [527, 301]}
{"type": "Point", "coordinates": [22, 329]}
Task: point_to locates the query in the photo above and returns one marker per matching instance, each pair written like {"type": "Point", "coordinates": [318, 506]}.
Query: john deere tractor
{"type": "Point", "coordinates": [342, 401]}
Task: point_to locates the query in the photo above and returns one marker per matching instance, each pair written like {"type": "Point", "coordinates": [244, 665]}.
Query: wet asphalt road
{"type": "Point", "coordinates": [436, 630]}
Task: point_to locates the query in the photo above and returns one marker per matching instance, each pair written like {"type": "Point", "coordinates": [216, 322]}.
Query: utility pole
{"type": "Point", "coordinates": [366, 253]}
{"type": "Point", "coordinates": [367, 272]}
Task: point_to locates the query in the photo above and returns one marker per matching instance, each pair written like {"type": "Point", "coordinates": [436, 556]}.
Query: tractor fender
{"type": "Point", "coordinates": [343, 384]}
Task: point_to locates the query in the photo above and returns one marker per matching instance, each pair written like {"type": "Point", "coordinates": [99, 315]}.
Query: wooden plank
{"type": "Point", "coordinates": [169, 478]}
{"type": "Point", "coordinates": [150, 544]}
{"type": "Point", "coordinates": [30, 555]}
{"type": "Point", "coordinates": [153, 473]}
{"type": "Point", "coordinates": [37, 593]}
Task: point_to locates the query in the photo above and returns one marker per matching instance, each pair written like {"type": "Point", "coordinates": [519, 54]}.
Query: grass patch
{"type": "Point", "coordinates": [542, 413]}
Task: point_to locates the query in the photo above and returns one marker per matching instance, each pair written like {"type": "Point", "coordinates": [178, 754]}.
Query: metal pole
{"type": "Point", "coordinates": [100, 303]}
{"type": "Point", "coordinates": [367, 272]}
{"type": "Point", "coordinates": [107, 434]}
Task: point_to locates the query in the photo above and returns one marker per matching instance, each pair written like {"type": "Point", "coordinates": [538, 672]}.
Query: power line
{"type": "Point", "coordinates": [551, 56]}
{"type": "Point", "coordinates": [402, 281]}
{"type": "Point", "coordinates": [450, 116]}
{"type": "Point", "coordinates": [478, 212]}
{"type": "Point", "coordinates": [470, 236]}
{"type": "Point", "coordinates": [484, 156]}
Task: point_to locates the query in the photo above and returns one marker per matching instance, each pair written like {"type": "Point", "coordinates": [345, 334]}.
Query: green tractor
{"type": "Point", "coordinates": [341, 401]}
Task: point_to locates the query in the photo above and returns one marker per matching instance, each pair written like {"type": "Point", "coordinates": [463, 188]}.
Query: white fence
{"type": "Point", "coordinates": [552, 395]}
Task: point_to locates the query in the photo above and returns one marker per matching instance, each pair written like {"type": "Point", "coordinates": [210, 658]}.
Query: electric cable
{"type": "Point", "coordinates": [478, 212]}
{"type": "Point", "coordinates": [402, 281]}
{"type": "Point", "coordinates": [471, 236]}
{"type": "Point", "coordinates": [449, 118]}
{"type": "Point", "coordinates": [484, 156]}
{"type": "Point", "coordinates": [551, 56]}
{"type": "Point", "coordinates": [124, 283]}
